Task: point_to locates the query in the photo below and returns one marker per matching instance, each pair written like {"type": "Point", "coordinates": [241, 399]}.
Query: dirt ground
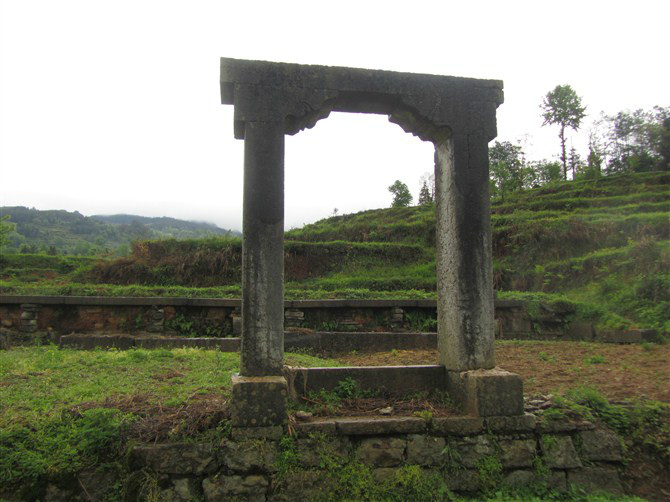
{"type": "Point", "coordinates": [620, 372]}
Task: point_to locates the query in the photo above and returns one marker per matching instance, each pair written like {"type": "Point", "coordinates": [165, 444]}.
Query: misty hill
{"type": "Point", "coordinates": [64, 232]}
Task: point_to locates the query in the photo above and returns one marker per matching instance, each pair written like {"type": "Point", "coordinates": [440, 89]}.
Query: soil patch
{"type": "Point", "coordinates": [619, 372]}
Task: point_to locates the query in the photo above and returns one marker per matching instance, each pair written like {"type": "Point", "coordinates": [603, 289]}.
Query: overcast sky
{"type": "Point", "coordinates": [114, 107]}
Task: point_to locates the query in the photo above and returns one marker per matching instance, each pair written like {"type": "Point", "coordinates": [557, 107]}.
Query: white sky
{"type": "Point", "coordinates": [114, 107]}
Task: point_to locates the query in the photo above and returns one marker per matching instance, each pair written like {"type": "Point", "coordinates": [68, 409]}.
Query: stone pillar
{"type": "Point", "coordinates": [259, 393]}
{"type": "Point", "coordinates": [262, 351]}
{"type": "Point", "coordinates": [464, 257]}
{"type": "Point", "coordinates": [465, 299]}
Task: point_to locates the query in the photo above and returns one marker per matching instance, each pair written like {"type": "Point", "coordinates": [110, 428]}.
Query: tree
{"type": "Point", "coordinates": [546, 172]}
{"type": "Point", "coordinates": [401, 194]}
{"type": "Point", "coordinates": [5, 229]}
{"type": "Point", "coordinates": [425, 197]}
{"type": "Point", "coordinates": [562, 106]}
{"type": "Point", "coordinates": [637, 141]}
{"type": "Point", "coordinates": [507, 168]}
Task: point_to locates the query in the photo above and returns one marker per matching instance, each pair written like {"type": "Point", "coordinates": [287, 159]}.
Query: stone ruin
{"type": "Point", "coordinates": [458, 115]}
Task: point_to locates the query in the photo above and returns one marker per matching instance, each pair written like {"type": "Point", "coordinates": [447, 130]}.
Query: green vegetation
{"type": "Point", "coordinates": [64, 410]}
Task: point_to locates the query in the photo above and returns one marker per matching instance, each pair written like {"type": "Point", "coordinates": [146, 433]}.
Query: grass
{"type": "Point", "coordinates": [64, 410]}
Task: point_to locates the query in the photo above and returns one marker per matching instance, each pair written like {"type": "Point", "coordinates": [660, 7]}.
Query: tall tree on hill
{"type": "Point", "coordinates": [425, 197]}
{"type": "Point", "coordinates": [402, 197]}
{"type": "Point", "coordinates": [563, 106]}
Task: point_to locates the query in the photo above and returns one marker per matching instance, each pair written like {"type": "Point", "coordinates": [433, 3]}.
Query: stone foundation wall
{"type": "Point", "coordinates": [466, 455]}
{"type": "Point", "coordinates": [22, 319]}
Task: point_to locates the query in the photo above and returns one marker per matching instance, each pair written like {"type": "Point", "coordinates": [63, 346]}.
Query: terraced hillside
{"type": "Point", "coordinates": [601, 244]}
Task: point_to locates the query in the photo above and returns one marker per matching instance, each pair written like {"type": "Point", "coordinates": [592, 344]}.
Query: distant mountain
{"type": "Point", "coordinates": [64, 232]}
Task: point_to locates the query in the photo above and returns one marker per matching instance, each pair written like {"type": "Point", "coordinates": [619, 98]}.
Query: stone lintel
{"type": "Point", "coordinates": [428, 106]}
{"type": "Point", "coordinates": [258, 401]}
{"type": "Point", "coordinates": [367, 426]}
{"type": "Point", "coordinates": [487, 393]}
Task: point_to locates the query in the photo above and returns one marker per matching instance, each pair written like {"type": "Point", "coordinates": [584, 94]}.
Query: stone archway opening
{"type": "Point", "coordinates": [457, 115]}
{"type": "Point", "coordinates": [348, 161]}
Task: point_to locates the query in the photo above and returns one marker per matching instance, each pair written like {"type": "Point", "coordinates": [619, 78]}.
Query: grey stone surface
{"type": "Point", "coordinates": [470, 450]}
{"type": "Point", "coordinates": [258, 401]}
{"type": "Point", "coordinates": [312, 452]}
{"type": "Point", "coordinates": [487, 393]}
{"type": "Point", "coordinates": [326, 427]}
{"type": "Point", "coordinates": [517, 453]}
{"type": "Point", "coordinates": [301, 486]}
{"type": "Point", "coordinates": [555, 480]}
{"type": "Point", "coordinates": [182, 490]}
{"type": "Point", "coordinates": [175, 458]}
{"type": "Point", "coordinates": [381, 451]}
{"type": "Point", "coordinates": [88, 342]}
{"type": "Point", "coordinates": [425, 450]}
{"type": "Point", "coordinates": [274, 432]}
{"type": "Point", "coordinates": [395, 379]}
{"type": "Point", "coordinates": [249, 456]}
{"type": "Point", "coordinates": [463, 480]}
{"type": "Point", "coordinates": [520, 423]}
{"type": "Point", "coordinates": [370, 426]}
{"type": "Point", "coordinates": [559, 452]}
{"type": "Point", "coordinates": [262, 351]}
{"type": "Point", "coordinates": [459, 426]}
{"type": "Point", "coordinates": [463, 253]}
{"type": "Point", "coordinates": [600, 445]}
{"type": "Point", "coordinates": [252, 488]}
{"type": "Point", "coordinates": [593, 479]}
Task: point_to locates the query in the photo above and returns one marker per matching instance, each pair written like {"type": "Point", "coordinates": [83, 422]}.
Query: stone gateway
{"type": "Point", "coordinates": [458, 115]}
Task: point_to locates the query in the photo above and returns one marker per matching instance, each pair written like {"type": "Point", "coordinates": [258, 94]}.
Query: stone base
{"type": "Point", "coordinates": [487, 393]}
{"type": "Point", "coordinates": [259, 401]}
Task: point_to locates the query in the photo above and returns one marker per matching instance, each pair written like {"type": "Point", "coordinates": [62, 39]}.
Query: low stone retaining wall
{"type": "Point", "coordinates": [24, 318]}
{"type": "Point", "coordinates": [464, 454]}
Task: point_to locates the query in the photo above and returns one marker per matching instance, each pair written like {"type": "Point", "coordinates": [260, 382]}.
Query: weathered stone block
{"type": "Point", "coordinates": [555, 480]}
{"type": "Point", "coordinates": [238, 488]}
{"type": "Point", "coordinates": [175, 458]}
{"type": "Point", "coordinates": [381, 452]}
{"type": "Point", "coordinates": [370, 426]}
{"type": "Point", "coordinates": [459, 426]}
{"type": "Point", "coordinates": [301, 486]}
{"type": "Point", "coordinates": [463, 480]}
{"type": "Point", "coordinates": [559, 452]}
{"type": "Point", "coordinates": [487, 393]}
{"type": "Point", "coordinates": [581, 331]}
{"type": "Point", "coordinates": [258, 401]}
{"type": "Point", "coordinates": [471, 450]}
{"type": "Point", "coordinates": [182, 490]}
{"type": "Point", "coordinates": [326, 427]}
{"type": "Point", "coordinates": [520, 423]}
{"type": "Point", "coordinates": [517, 453]}
{"type": "Point", "coordinates": [90, 342]}
{"type": "Point", "coordinates": [592, 479]}
{"type": "Point", "coordinates": [425, 450]}
{"type": "Point", "coordinates": [249, 456]}
{"type": "Point", "coordinates": [274, 432]}
{"type": "Point", "coordinates": [312, 452]}
{"type": "Point", "coordinates": [600, 445]}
